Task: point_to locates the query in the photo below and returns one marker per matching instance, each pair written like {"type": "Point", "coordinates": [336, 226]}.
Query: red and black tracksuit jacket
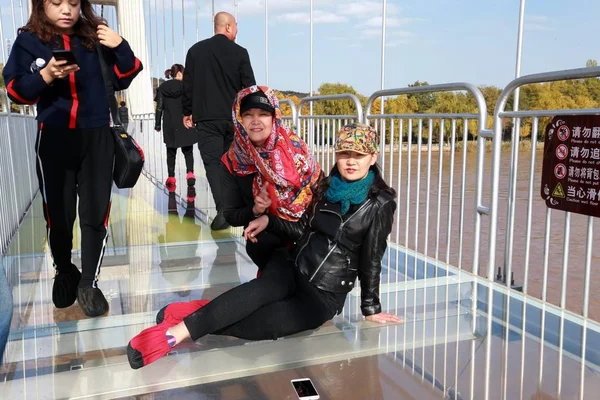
{"type": "Point", "coordinates": [78, 101]}
{"type": "Point", "coordinates": [75, 147]}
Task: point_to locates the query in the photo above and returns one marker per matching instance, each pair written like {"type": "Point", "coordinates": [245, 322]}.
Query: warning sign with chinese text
{"type": "Point", "coordinates": [571, 167]}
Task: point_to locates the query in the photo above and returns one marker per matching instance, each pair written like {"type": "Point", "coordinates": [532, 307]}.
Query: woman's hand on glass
{"type": "Point", "coordinates": [384, 318]}
{"type": "Point", "coordinates": [255, 227]}
{"type": "Point", "coordinates": [108, 37]}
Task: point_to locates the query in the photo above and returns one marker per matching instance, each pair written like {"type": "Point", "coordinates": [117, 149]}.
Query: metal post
{"type": "Point", "coordinates": [508, 251]}
{"type": "Point", "coordinates": [383, 18]}
{"type": "Point", "coordinates": [310, 93]}
{"type": "Point", "coordinates": [235, 9]}
{"type": "Point", "coordinates": [311, 51]}
{"type": "Point", "coordinates": [165, 39]}
{"type": "Point", "coordinates": [519, 51]}
{"type": "Point", "coordinates": [183, 25]}
{"type": "Point", "coordinates": [173, 30]}
{"type": "Point", "coordinates": [213, 11]}
{"type": "Point", "coordinates": [382, 99]}
{"type": "Point", "coordinates": [197, 28]}
{"type": "Point", "coordinates": [267, 41]}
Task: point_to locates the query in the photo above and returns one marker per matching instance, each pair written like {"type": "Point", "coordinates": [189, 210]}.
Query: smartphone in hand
{"type": "Point", "coordinates": [64, 55]}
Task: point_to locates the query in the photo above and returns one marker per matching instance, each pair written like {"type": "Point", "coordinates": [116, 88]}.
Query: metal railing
{"type": "Point", "coordinates": [318, 131]}
{"type": "Point", "coordinates": [290, 120]}
{"type": "Point", "coordinates": [406, 149]}
{"type": "Point", "coordinates": [424, 156]}
{"type": "Point", "coordinates": [18, 185]}
{"type": "Point", "coordinates": [534, 209]}
{"type": "Point", "coordinates": [402, 135]}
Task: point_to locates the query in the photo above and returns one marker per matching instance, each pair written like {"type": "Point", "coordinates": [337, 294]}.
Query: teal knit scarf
{"type": "Point", "coordinates": [347, 193]}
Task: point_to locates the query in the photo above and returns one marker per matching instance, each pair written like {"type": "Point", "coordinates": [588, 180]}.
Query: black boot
{"type": "Point", "coordinates": [64, 289]}
{"type": "Point", "coordinates": [92, 301]}
{"type": "Point", "coordinates": [219, 223]}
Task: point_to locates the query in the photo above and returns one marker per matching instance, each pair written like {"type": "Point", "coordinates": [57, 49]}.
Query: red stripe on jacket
{"type": "Point", "coordinates": [11, 91]}
{"type": "Point", "coordinates": [75, 106]}
{"type": "Point", "coordinates": [128, 73]}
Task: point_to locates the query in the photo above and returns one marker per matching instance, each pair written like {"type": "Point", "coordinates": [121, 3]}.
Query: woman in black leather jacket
{"type": "Point", "coordinates": [342, 236]}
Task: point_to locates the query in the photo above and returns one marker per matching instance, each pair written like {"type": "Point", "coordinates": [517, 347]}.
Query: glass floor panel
{"type": "Point", "coordinates": [160, 252]}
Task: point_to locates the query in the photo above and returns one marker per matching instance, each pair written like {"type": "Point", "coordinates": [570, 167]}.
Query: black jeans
{"type": "Point", "coordinates": [188, 154]}
{"type": "Point", "coordinates": [262, 251]}
{"type": "Point", "coordinates": [215, 137]}
{"type": "Point", "coordinates": [71, 163]}
{"type": "Point", "coordinates": [281, 302]}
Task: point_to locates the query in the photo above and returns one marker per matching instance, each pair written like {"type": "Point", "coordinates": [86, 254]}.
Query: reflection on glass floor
{"type": "Point", "coordinates": [156, 258]}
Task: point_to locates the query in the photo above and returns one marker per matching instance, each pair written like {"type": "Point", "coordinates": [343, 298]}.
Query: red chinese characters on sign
{"type": "Point", "coordinates": [571, 169]}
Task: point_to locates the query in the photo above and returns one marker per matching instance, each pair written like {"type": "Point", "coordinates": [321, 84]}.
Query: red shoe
{"type": "Point", "coordinates": [191, 178]}
{"type": "Point", "coordinates": [171, 184]}
{"type": "Point", "coordinates": [174, 313]}
{"type": "Point", "coordinates": [148, 346]}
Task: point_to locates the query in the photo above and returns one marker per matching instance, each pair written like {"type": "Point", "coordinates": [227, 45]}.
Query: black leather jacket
{"type": "Point", "coordinates": [333, 250]}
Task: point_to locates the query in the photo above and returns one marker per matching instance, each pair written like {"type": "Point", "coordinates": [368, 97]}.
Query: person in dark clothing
{"type": "Point", "coordinates": [341, 237]}
{"type": "Point", "coordinates": [124, 115]}
{"type": "Point", "coordinates": [175, 134]}
{"type": "Point", "coordinates": [75, 147]}
{"type": "Point", "coordinates": [267, 168]}
{"type": "Point", "coordinates": [216, 69]}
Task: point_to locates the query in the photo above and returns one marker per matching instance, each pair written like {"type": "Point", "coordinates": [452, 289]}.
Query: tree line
{"type": "Point", "coordinates": [572, 94]}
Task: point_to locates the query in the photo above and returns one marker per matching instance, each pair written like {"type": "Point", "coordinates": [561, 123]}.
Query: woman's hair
{"type": "Point", "coordinates": [85, 28]}
{"type": "Point", "coordinates": [172, 73]}
{"type": "Point", "coordinates": [379, 185]}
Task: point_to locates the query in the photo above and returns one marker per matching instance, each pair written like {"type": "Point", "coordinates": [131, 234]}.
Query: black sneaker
{"type": "Point", "coordinates": [92, 301]}
{"type": "Point", "coordinates": [64, 289]}
{"type": "Point", "coordinates": [219, 223]}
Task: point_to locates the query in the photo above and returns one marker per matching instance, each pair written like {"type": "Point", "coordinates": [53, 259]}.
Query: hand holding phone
{"type": "Point", "coordinates": [65, 55]}
{"type": "Point", "coordinates": [58, 68]}
{"type": "Point", "coordinates": [305, 389]}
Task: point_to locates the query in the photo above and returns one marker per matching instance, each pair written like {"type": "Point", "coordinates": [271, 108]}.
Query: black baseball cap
{"type": "Point", "coordinates": [256, 100]}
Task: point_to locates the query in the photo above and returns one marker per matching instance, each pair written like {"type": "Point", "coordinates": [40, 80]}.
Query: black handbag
{"type": "Point", "coordinates": [129, 156]}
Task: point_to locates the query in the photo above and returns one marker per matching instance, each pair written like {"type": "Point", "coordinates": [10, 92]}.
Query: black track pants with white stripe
{"type": "Point", "coordinates": [75, 163]}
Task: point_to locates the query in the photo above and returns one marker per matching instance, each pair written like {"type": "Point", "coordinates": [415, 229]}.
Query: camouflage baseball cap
{"type": "Point", "coordinates": [360, 138]}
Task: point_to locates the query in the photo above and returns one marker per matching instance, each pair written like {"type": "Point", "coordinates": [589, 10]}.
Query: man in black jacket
{"type": "Point", "coordinates": [215, 70]}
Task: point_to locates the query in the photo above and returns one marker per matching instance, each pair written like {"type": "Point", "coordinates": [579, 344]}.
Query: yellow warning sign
{"type": "Point", "coordinates": [558, 191]}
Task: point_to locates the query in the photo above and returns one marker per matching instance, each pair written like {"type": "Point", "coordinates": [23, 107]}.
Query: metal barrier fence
{"type": "Point", "coordinates": [416, 161]}
{"type": "Point", "coordinates": [517, 221]}
{"type": "Point", "coordinates": [415, 133]}
{"type": "Point", "coordinates": [425, 157]}
{"type": "Point", "coordinates": [318, 131]}
{"type": "Point", "coordinates": [18, 185]}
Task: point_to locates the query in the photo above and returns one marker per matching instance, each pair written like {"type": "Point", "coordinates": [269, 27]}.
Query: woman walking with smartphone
{"type": "Point", "coordinates": [75, 147]}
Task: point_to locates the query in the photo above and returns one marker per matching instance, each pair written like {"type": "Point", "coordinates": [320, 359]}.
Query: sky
{"type": "Point", "coordinates": [438, 41]}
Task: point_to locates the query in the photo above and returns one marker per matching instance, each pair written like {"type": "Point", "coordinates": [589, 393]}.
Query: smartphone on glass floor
{"type": "Point", "coordinates": [64, 55]}
{"type": "Point", "coordinates": [305, 389]}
